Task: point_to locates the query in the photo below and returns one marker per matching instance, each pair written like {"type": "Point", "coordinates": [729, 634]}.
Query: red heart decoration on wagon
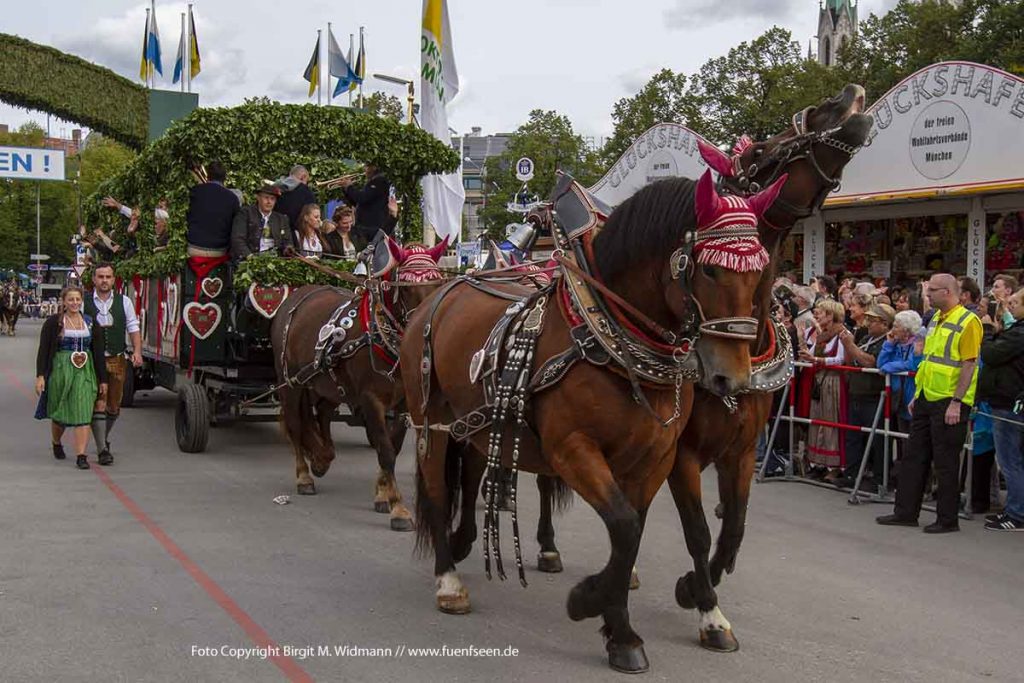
{"type": "Point", "coordinates": [201, 319]}
{"type": "Point", "coordinates": [267, 300]}
{"type": "Point", "coordinates": [212, 286]}
{"type": "Point", "coordinates": [79, 358]}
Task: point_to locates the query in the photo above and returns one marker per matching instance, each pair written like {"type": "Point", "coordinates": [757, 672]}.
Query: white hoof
{"type": "Point", "coordinates": [714, 620]}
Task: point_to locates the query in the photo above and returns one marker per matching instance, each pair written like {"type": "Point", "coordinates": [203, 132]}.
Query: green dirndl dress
{"type": "Point", "coordinates": [71, 391]}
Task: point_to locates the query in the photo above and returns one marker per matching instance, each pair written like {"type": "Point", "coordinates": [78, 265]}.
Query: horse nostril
{"type": "Point", "coordinates": [721, 385]}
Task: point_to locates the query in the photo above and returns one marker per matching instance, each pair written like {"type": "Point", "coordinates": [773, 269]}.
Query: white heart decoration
{"type": "Point", "coordinates": [78, 359]}
{"type": "Point", "coordinates": [201, 319]}
{"type": "Point", "coordinates": [212, 286]}
{"type": "Point", "coordinates": [265, 305]}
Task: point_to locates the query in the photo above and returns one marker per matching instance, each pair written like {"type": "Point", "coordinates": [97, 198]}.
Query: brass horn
{"type": "Point", "coordinates": [336, 182]}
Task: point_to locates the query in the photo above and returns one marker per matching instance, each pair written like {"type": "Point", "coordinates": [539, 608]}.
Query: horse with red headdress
{"type": "Point", "coordinates": [334, 346]}
{"type": "Point", "coordinates": [589, 379]}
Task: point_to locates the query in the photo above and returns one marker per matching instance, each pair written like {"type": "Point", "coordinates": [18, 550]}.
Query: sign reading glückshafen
{"type": "Point", "coordinates": [665, 150]}
{"type": "Point", "coordinates": [951, 127]}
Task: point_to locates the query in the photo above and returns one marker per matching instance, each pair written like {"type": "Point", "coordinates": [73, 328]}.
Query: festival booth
{"type": "Point", "coordinates": [940, 185]}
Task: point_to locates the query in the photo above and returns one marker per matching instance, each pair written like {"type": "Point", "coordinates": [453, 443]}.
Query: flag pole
{"type": "Point", "coordinates": [330, 93]}
{"type": "Point", "coordinates": [351, 56]}
{"type": "Point", "coordinates": [149, 64]}
{"type": "Point", "coordinates": [184, 59]}
{"type": "Point", "coordinates": [188, 48]}
{"type": "Point", "coordinates": [320, 66]}
{"type": "Point", "coordinates": [362, 56]}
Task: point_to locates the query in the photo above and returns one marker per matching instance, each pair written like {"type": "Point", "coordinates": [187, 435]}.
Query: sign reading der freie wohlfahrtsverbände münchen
{"type": "Point", "coordinates": [950, 127]}
{"type": "Point", "coordinates": [30, 163]}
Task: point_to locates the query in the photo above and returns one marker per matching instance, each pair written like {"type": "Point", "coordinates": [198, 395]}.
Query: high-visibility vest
{"type": "Point", "coordinates": [939, 372]}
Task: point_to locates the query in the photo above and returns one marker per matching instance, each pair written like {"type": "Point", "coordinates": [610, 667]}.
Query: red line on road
{"type": "Point", "coordinates": [287, 665]}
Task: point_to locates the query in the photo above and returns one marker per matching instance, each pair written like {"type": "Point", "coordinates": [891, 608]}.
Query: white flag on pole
{"type": "Point", "coordinates": [443, 195]}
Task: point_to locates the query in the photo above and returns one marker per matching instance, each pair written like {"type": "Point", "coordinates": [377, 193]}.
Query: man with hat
{"type": "Point", "coordinates": [947, 381]}
{"type": "Point", "coordinates": [864, 390]}
{"type": "Point", "coordinates": [257, 228]}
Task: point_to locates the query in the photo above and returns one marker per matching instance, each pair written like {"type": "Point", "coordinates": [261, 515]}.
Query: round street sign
{"type": "Point", "coordinates": [524, 169]}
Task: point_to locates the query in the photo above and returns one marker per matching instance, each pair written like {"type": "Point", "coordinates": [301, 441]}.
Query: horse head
{"type": "Point", "coordinates": [416, 264]}
{"type": "Point", "coordinates": [690, 260]}
{"type": "Point", "coordinates": [725, 263]}
{"type": "Point", "coordinates": [813, 151]}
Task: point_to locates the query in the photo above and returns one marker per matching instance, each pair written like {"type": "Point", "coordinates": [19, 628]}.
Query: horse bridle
{"type": "Point", "coordinates": [800, 146]}
{"type": "Point", "coordinates": [682, 268]}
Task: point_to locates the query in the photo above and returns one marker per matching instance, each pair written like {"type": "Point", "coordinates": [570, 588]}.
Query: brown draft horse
{"type": "Point", "coordinates": [358, 369]}
{"type": "Point", "coordinates": [813, 152]}
{"type": "Point", "coordinates": [10, 308]}
{"type": "Point", "coordinates": [590, 428]}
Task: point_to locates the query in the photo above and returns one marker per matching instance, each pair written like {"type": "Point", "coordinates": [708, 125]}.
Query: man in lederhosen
{"type": "Point", "coordinates": [116, 314]}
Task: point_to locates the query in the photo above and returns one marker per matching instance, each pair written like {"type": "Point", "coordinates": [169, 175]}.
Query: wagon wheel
{"type": "Point", "coordinates": [192, 418]}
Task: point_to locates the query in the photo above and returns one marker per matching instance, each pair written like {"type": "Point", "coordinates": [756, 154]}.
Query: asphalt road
{"type": "Point", "coordinates": [131, 572]}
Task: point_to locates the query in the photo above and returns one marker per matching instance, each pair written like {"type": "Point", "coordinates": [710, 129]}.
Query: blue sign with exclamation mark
{"type": "Point", "coordinates": [29, 163]}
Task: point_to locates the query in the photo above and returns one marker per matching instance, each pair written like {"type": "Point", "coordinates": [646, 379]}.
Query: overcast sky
{"type": "Point", "coordinates": [574, 56]}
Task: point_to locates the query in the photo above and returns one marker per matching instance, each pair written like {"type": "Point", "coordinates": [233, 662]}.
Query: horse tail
{"type": "Point", "coordinates": [425, 507]}
{"type": "Point", "coordinates": [562, 496]}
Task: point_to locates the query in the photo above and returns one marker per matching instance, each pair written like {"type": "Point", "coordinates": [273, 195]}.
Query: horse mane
{"type": "Point", "coordinates": [651, 223]}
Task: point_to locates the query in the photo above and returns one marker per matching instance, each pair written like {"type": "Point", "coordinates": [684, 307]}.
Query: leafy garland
{"type": "Point", "coordinates": [273, 270]}
{"type": "Point", "coordinates": [256, 141]}
{"type": "Point", "coordinates": [41, 77]}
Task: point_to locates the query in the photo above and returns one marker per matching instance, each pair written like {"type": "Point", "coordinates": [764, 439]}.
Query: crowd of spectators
{"type": "Point", "coordinates": [881, 329]}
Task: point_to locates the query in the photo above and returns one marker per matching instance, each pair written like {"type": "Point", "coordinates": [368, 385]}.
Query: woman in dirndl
{"type": "Point", "coordinates": [825, 444]}
{"type": "Point", "coordinates": [71, 374]}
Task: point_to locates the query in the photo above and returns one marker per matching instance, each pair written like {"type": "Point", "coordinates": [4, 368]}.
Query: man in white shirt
{"type": "Point", "coordinates": [116, 314]}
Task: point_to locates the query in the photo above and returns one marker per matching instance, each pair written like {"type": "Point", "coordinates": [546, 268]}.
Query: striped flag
{"type": "Point", "coordinates": [195, 60]}
{"type": "Point", "coordinates": [153, 43]}
{"type": "Point", "coordinates": [312, 73]}
{"type": "Point", "coordinates": [143, 62]}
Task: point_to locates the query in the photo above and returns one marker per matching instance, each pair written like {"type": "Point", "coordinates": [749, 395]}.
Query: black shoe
{"type": "Point", "coordinates": [58, 451]}
{"type": "Point", "coordinates": [939, 528]}
{"type": "Point", "coordinates": [998, 517]}
{"type": "Point", "coordinates": [895, 520]}
{"type": "Point", "coordinates": [82, 462]}
{"type": "Point", "coordinates": [1005, 523]}
{"type": "Point", "coordinates": [105, 458]}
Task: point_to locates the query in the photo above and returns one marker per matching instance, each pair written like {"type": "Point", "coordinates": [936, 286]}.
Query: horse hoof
{"type": "Point", "coordinates": [634, 580]}
{"type": "Point", "coordinates": [381, 506]}
{"type": "Point", "coordinates": [549, 562]}
{"type": "Point", "coordinates": [454, 604]}
{"type": "Point", "coordinates": [401, 524]}
{"type": "Point", "coordinates": [628, 659]}
{"type": "Point", "coordinates": [684, 596]}
{"type": "Point", "coordinates": [307, 489]}
{"type": "Point", "coordinates": [719, 640]}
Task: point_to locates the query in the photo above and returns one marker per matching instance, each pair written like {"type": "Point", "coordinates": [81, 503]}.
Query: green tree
{"type": "Point", "coordinates": [385, 105]}
{"type": "Point", "coordinates": [751, 89]}
{"type": "Point", "coordinates": [549, 139]}
{"type": "Point", "coordinates": [662, 99]}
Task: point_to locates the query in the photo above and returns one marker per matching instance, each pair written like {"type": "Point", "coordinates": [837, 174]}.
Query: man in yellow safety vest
{"type": "Point", "coordinates": [946, 383]}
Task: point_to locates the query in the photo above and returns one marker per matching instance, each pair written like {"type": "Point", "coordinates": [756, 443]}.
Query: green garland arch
{"type": "Point", "coordinates": [41, 77]}
{"type": "Point", "coordinates": [256, 141]}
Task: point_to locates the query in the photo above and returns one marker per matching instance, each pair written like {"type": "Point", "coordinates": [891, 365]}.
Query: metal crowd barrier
{"type": "Point", "coordinates": [881, 426]}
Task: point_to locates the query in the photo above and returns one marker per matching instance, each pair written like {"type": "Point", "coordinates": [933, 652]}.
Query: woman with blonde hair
{"type": "Point", "coordinates": [307, 231]}
{"type": "Point", "coordinates": [71, 375]}
{"type": "Point", "coordinates": [338, 233]}
{"type": "Point", "coordinates": [824, 349]}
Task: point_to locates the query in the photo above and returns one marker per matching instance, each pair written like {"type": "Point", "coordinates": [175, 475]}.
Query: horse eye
{"type": "Point", "coordinates": [758, 152]}
{"type": "Point", "coordinates": [709, 271]}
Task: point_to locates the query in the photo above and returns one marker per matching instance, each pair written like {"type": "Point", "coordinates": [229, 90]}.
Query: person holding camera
{"type": "Point", "coordinates": [1001, 384]}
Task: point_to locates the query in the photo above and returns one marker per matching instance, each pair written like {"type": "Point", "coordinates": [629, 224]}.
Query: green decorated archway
{"type": "Point", "coordinates": [41, 77]}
